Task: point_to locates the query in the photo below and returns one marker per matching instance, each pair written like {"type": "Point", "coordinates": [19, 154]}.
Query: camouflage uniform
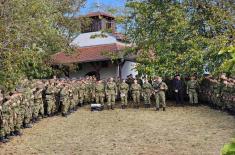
{"type": "Point", "coordinates": [18, 119]}
{"type": "Point", "coordinates": [11, 116]}
{"type": "Point", "coordinates": [100, 93]}
{"type": "Point", "coordinates": [124, 88]}
{"type": "Point", "coordinates": [57, 97]}
{"type": "Point", "coordinates": [6, 111]}
{"type": "Point", "coordinates": [38, 104]}
{"type": "Point", "coordinates": [217, 94]}
{"type": "Point", "coordinates": [129, 81]}
{"type": "Point", "coordinates": [28, 103]}
{"type": "Point", "coordinates": [76, 93]}
{"type": "Point", "coordinates": [147, 92]}
{"type": "Point", "coordinates": [160, 89]}
{"type": "Point", "coordinates": [93, 95]}
{"type": "Point", "coordinates": [111, 92]}
{"type": "Point", "coordinates": [64, 99]}
{"type": "Point", "coordinates": [2, 124]}
{"type": "Point", "coordinates": [71, 101]}
{"type": "Point", "coordinates": [192, 86]}
{"type": "Point", "coordinates": [50, 99]}
{"type": "Point", "coordinates": [135, 91]}
{"type": "Point", "coordinates": [226, 95]}
{"type": "Point", "coordinates": [81, 93]}
{"type": "Point", "coordinates": [88, 95]}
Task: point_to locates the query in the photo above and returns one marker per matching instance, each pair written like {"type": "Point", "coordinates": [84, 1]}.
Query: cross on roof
{"type": "Point", "coordinates": [98, 5]}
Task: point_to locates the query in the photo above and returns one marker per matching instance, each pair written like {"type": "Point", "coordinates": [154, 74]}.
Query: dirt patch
{"type": "Point", "coordinates": [178, 131]}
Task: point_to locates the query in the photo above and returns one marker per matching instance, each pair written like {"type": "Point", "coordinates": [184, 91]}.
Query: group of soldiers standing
{"type": "Point", "coordinates": [33, 100]}
{"type": "Point", "coordinates": [219, 93]}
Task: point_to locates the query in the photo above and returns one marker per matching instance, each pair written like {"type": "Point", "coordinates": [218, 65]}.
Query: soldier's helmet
{"type": "Point", "coordinates": [223, 76]}
{"type": "Point", "coordinates": [51, 81]}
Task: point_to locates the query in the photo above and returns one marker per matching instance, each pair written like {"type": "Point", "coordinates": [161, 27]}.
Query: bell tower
{"type": "Point", "coordinates": [100, 21]}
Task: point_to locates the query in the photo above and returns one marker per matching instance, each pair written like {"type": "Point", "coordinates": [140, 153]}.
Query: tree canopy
{"type": "Point", "coordinates": [183, 37]}
{"type": "Point", "coordinates": [32, 30]}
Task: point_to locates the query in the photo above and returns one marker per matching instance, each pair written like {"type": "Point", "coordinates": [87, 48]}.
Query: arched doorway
{"type": "Point", "coordinates": [93, 73]}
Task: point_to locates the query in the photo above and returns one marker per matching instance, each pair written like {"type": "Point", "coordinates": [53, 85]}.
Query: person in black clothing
{"type": "Point", "coordinates": [178, 90]}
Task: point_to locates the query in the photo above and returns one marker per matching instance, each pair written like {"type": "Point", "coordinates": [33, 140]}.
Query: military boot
{"type": "Point", "coordinates": [72, 110]}
{"type": "Point", "coordinates": [64, 114]}
{"type": "Point", "coordinates": [157, 109]}
{"type": "Point", "coordinates": [28, 125]}
{"type": "Point", "coordinates": [34, 120]}
{"type": "Point", "coordinates": [18, 133]}
{"type": "Point", "coordinates": [8, 137]}
{"type": "Point", "coordinates": [38, 119]}
{"type": "Point", "coordinates": [164, 109]}
{"type": "Point", "coordinates": [112, 107]}
{"type": "Point", "coordinates": [123, 106]}
{"type": "Point", "coordinates": [12, 133]}
{"type": "Point", "coordinates": [3, 140]}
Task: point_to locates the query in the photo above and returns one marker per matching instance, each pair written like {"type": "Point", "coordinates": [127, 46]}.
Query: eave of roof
{"type": "Point", "coordinates": [93, 14]}
{"type": "Point", "coordinates": [87, 54]}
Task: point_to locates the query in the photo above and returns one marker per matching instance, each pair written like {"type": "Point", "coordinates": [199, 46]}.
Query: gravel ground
{"type": "Point", "coordinates": [178, 131]}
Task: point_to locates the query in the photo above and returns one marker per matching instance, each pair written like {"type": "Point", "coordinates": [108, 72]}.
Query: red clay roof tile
{"type": "Point", "coordinates": [86, 54]}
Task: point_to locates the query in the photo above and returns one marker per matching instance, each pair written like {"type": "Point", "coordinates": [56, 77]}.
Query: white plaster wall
{"type": "Point", "coordinates": [128, 68]}
{"type": "Point", "coordinates": [111, 71]}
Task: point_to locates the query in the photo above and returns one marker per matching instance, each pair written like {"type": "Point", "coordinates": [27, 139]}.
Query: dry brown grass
{"type": "Point", "coordinates": [178, 131]}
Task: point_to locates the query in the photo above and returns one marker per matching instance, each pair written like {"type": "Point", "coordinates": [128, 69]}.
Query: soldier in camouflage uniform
{"type": "Point", "coordinates": [38, 103]}
{"type": "Point", "coordinates": [130, 81]}
{"type": "Point", "coordinates": [135, 91]}
{"type": "Point", "coordinates": [2, 133]}
{"type": "Point", "coordinates": [6, 111]}
{"type": "Point", "coordinates": [147, 92]}
{"type": "Point", "coordinates": [2, 125]}
{"type": "Point", "coordinates": [81, 92]}
{"type": "Point", "coordinates": [12, 116]}
{"type": "Point", "coordinates": [50, 98]}
{"type": "Point", "coordinates": [1, 96]}
{"type": "Point", "coordinates": [160, 88]}
{"type": "Point", "coordinates": [73, 95]}
{"type": "Point", "coordinates": [111, 93]}
{"type": "Point", "coordinates": [57, 95]}
{"type": "Point", "coordinates": [71, 98]}
{"type": "Point", "coordinates": [124, 88]}
{"type": "Point", "coordinates": [64, 100]}
{"type": "Point", "coordinates": [76, 93]}
{"type": "Point", "coordinates": [93, 84]}
{"type": "Point", "coordinates": [215, 93]}
{"type": "Point", "coordinates": [192, 87]}
{"type": "Point", "coordinates": [28, 102]}
{"type": "Point", "coordinates": [100, 92]}
{"type": "Point", "coordinates": [17, 116]}
{"type": "Point", "coordinates": [3, 122]}
{"type": "Point", "coordinates": [88, 90]}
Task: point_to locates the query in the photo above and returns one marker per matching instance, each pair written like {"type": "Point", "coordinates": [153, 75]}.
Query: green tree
{"type": "Point", "coordinates": [32, 30]}
{"type": "Point", "coordinates": [180, 36]}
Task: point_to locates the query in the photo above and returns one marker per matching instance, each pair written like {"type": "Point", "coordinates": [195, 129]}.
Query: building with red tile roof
{"type": "Point", "coordinates": [91, 47]}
